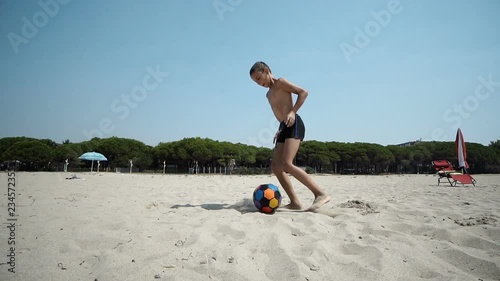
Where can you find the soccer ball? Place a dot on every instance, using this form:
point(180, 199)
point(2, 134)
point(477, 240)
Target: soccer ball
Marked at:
point(267, 198)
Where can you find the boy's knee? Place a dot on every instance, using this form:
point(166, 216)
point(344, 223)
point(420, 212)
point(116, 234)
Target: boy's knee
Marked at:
point(288, 166)
point(276, 167)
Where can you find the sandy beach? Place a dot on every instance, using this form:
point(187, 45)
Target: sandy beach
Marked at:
point(112, 226)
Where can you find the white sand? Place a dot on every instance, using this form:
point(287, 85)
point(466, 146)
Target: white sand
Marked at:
point(199, 227)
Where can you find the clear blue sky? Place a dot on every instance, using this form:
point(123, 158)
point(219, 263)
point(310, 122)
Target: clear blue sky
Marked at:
point(413, 75)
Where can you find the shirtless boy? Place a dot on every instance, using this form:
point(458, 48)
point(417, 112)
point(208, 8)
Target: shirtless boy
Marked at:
point(290, 134)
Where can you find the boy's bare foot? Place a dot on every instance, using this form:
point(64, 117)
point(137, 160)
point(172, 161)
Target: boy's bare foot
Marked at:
point(318, 202)
point(293, 206)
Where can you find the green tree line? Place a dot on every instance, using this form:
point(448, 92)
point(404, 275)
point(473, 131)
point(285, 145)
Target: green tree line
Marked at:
point(179, 156)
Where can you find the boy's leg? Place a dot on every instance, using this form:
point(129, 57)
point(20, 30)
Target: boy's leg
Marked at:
point(277, 168)
point(290, 149)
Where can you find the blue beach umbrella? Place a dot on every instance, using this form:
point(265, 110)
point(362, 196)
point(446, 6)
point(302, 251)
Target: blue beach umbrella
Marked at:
point(93, 156)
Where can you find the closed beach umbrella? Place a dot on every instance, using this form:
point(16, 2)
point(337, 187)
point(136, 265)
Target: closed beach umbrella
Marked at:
point(461, 151)
point(92, 156)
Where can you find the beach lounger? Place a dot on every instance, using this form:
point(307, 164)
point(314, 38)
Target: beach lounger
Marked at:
point(461, 178)
point(445, 170)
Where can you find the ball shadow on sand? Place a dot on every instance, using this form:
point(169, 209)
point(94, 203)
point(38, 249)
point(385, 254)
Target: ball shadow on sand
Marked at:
point(244, 206)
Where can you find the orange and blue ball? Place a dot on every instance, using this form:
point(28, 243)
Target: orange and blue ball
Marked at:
point(267, 198)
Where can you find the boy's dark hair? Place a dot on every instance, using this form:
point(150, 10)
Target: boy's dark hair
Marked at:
point(259, 66)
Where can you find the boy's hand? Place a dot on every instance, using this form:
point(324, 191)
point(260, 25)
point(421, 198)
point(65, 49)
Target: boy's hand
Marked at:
point(290, 119)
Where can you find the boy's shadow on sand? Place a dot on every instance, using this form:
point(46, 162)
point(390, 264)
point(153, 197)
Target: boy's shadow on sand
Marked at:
point(244, 206)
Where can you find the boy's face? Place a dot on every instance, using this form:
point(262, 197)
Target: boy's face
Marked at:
point(262, 78)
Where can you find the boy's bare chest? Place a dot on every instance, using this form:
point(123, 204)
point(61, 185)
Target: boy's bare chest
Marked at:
point(275, 96)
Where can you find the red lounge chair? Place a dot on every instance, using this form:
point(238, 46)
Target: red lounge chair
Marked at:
point(462, 178)
point(446, 170)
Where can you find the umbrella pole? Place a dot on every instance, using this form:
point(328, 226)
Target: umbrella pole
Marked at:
point(92, 166)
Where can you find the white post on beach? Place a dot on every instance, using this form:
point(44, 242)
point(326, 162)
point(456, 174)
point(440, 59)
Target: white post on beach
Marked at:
point(131, 164)
point(164, 167)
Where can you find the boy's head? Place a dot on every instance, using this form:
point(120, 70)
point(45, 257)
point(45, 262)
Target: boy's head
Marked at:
point(261, 74)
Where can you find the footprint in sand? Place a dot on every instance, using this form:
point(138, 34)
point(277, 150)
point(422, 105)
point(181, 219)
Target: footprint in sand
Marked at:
point(364, 208)
point(468, 262)
point(235, 234)
point(364, 256)
point(89, 261)
point(481, 220)
point(282, 267)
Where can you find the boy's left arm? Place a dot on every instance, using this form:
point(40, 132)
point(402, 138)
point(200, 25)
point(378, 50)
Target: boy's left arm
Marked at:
point(301, 97)
point(300, 92)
